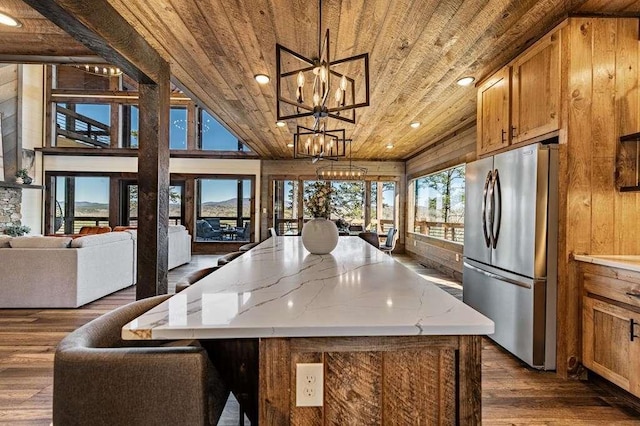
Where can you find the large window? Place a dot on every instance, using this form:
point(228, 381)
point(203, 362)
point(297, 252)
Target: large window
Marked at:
point(439, 204)
point(80, 201)
point(349, 201)
point(129, 203)
point(177, 127)
point(83, 125)
point(223, 209)
point(214, 137)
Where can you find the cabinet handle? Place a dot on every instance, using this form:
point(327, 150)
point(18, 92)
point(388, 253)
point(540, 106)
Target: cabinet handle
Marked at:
point(632, 324)
point(513, 131)
point(504, 135)
point(632, 294)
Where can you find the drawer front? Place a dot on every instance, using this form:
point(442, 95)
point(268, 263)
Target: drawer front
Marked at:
point(612, 288)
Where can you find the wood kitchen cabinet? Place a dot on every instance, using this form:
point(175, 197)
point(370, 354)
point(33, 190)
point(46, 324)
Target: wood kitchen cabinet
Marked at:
point(611, 326)
point(493, 112)
point(535, 90)
point(522, 100)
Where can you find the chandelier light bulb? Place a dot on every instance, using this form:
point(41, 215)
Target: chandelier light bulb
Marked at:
point(280, 123)
point(300, 79)
point(323, 73)
point(343, 83)
point(415, 124)
point(316, 99)
point(338, 96)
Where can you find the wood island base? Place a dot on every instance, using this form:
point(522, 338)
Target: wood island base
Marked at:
point(375, 380)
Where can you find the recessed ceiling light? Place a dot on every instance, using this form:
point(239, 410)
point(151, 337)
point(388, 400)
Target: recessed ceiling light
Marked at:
point(280, 123)
point(9, 20)
point(465, 81)
point(290, 145)
point(262, 78)
point(389, 145)
point(415, 124)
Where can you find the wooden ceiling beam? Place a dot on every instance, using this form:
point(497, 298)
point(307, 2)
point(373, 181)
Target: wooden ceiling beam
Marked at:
point(99, 27)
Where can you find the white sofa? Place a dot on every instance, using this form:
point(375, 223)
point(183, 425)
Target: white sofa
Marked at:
point(58, 272)
point(179, 247)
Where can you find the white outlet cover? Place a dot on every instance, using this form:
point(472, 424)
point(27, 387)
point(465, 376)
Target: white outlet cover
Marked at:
point(309, 385)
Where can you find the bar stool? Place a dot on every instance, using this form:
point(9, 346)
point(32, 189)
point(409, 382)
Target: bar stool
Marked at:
point(247, 247)
point(193, 277)
point(229, 257)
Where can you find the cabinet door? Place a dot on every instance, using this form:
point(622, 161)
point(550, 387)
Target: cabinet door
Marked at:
point(607, 348)
point(536, 90)
point(493, 112)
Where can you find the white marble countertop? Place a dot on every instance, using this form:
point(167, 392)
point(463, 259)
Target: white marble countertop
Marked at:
point(278, 289)
point(628, 262)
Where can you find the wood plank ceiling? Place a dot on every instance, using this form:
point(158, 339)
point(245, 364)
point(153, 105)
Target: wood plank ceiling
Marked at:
point(418, 49)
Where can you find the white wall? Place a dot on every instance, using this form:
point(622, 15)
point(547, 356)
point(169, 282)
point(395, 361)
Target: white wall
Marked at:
point(31, 121)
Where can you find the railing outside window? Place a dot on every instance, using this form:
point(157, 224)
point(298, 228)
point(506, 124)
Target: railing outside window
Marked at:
point(439, 204)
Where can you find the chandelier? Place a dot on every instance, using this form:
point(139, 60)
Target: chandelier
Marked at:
point(320, 87)
point(101, 70)
point(319, 143)
point(338, 171)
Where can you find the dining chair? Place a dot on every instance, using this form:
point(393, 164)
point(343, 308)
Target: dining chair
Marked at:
point(272, 232)
point(390, 244)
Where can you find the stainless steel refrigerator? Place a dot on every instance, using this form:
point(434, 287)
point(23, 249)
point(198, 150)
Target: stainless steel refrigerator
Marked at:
point(510, 249)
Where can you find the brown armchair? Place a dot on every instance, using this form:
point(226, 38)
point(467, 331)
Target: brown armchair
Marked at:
point(99, 379)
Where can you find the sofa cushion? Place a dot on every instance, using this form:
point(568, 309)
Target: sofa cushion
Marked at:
point(4, 241)
point(97, 239)
point(176, 228)
point(40, 242)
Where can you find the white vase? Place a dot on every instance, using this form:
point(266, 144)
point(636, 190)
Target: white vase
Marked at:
point(320, 236)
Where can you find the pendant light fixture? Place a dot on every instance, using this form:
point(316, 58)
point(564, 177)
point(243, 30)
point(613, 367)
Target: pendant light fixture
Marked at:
point(320, 87)
point(319, 143)
point(340, 172)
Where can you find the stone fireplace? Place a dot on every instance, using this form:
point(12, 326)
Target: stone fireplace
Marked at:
point(10, 201)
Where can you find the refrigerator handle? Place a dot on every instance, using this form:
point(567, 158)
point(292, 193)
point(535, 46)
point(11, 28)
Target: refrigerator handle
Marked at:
point(485, 193)
point(498, 277)
point(496, 211)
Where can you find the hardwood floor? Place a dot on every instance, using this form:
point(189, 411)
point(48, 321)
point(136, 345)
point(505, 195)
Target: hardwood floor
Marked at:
point(512, 393)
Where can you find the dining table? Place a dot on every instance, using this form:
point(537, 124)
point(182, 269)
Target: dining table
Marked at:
point(393, 347)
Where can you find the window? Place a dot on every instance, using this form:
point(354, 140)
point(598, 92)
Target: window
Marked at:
point(439, 204)
point(129, 196)
point(350, 204)
point(224, 209)
point(178, 128)
point(80, 201)
point(214, 137)
point(383, 206)
point(83, 125)
point(130, 129)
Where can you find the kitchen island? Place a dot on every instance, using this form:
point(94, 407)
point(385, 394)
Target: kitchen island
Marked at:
point(395, 348)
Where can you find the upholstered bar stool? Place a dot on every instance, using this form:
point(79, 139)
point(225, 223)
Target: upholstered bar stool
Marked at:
point(193, 277)
point(229, 257)
point(247, 247)
point(100, 379)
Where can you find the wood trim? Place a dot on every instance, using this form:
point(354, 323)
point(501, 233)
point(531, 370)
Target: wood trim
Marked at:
point(470, 380)
point(104, 31)
point(133, 152)
point(365, 379)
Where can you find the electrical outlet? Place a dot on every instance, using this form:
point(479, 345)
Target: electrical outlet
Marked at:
point(415, 243)
point(309, 385)
point(457, 257)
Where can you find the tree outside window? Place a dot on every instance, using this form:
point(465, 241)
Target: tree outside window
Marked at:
point(439, 204)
